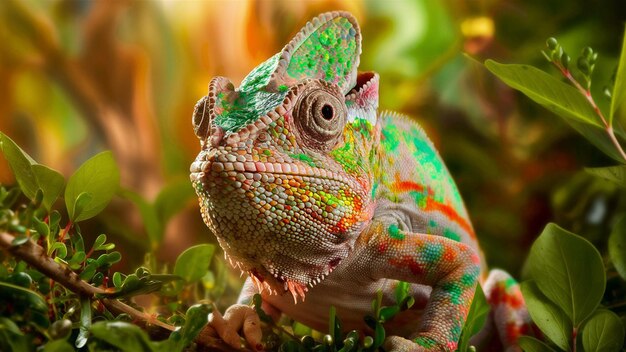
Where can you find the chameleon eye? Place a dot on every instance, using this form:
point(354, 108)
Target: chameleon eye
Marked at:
point(320, 114)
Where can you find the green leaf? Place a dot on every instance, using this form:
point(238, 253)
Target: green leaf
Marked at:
point(50, 182)
point(58, 346)
point(568, 270)
point(617, 246)
point(194, 262)
point(603, 332)
point(85, 322)
point(531, 344)
point(615, 174)
point(60, 248)
point(30, 175)
point(619, 89)
point(556, 96)
point(20, 163)
point(196, 318)
point(14, 293)
point(124, 336)
point(550, 319)
point(173, 198)
point(41, 227)
point(386, 313)
point(11, 338)
point(152, 222)
point(99, 177)
point(100, 240)
point(475, 318)
point(19, 240)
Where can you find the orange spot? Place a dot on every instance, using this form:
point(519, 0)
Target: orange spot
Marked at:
point(451, 214)
point(449, 254)
point(405, 186)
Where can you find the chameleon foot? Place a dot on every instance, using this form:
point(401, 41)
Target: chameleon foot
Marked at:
point(237, 318)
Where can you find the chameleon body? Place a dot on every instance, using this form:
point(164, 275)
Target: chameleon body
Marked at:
point(324, 201)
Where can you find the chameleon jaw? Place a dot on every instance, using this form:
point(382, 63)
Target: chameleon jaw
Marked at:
point(277, 283)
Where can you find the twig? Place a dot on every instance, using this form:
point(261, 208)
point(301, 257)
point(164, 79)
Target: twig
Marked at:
point(35, 256)
point(587, 94)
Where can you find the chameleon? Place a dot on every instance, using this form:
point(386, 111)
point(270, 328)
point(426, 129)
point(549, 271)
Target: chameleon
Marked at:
point(322, 200)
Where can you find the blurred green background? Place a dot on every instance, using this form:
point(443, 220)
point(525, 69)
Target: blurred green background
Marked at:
point(78, 77)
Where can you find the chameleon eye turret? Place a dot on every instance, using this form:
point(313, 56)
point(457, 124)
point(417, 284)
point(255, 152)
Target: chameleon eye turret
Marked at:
point(320, 114)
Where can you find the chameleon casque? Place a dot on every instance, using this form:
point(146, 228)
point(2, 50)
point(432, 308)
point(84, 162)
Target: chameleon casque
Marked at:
point(324, 201)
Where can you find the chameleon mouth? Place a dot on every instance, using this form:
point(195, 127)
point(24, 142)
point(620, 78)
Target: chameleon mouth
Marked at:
point(276, 282)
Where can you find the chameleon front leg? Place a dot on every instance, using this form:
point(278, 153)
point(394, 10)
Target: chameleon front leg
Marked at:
point(242, 319)
point(450, 268)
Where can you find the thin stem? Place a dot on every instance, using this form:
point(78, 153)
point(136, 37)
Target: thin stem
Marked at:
point(574, 335)
point(587, 94)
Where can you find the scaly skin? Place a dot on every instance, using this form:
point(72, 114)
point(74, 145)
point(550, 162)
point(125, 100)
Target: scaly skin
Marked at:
point(316, 195)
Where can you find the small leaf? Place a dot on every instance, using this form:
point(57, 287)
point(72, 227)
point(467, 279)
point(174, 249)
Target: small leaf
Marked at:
point(41, 227)
point(89, 271)
point(558, 97)
point(58, 346)
point(11, 338)
point(603, 332)
point(196, 318)
point(117, 279)
point(100, 240)
point(194, 262)
point(51, 182)
point(173, 198)
point(475, 318)
point(60, 248)
point(615, 174)
point(99, 177)
point(531, 344)
point(19, 240)
point(619, 89)
point(550, 319)
point(386, 313)
point(126, 337)
point(151, 220)
point(85, 322)
point(568, 270)
point(617, 246)
point(20, 163)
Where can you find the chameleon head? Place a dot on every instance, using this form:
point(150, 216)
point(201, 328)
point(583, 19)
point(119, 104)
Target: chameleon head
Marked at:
point(283, 174)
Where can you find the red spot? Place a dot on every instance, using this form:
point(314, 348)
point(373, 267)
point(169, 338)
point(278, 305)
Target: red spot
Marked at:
point(512, 298)
point(407, 261)
point(382, 247)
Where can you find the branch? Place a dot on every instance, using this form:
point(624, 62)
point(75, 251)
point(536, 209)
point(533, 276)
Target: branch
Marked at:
point(36, 256)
